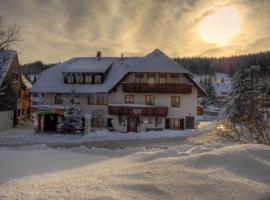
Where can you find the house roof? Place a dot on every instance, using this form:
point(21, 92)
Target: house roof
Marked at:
point(157, 61)
point(51, 80)
point(26, 82)
point(6, 58)
point(88, 65)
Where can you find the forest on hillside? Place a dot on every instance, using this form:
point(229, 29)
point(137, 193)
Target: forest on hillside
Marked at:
point(211, 65)
point(35, 67)
point(196, 65)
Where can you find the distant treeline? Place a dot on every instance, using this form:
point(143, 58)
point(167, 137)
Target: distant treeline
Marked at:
point(210, 65)
point(35, 67)
point(196, 65)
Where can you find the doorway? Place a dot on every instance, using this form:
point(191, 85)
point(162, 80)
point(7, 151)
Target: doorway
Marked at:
point(132, 124)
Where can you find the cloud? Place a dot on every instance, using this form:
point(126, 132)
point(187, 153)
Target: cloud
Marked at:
point(54, 31)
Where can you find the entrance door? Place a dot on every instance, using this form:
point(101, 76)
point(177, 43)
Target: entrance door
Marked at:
point(132, 124)
point(50, 122)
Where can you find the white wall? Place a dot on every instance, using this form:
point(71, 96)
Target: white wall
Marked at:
point(6, 119)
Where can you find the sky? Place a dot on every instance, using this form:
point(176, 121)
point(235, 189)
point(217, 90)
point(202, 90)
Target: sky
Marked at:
point(57, 30)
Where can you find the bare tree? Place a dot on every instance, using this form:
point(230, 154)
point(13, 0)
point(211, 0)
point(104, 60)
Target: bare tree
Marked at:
point(9, 35)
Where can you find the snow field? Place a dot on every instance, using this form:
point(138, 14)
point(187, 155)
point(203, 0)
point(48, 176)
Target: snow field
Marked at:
point(209, 171)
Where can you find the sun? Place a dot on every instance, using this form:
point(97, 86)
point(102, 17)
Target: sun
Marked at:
point(220, 27)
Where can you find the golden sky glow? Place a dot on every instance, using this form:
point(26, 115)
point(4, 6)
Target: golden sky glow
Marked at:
point(56, 30)
point(221, 26)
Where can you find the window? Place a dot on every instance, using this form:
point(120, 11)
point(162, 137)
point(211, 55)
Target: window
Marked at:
point(88, 78)
point(101, 99)
point(149, 100)
point(97, 79)
point(151, 78)
point(129, 99)
point(76, 99)
point(174, 78)
point(99, 122)
point(91, 99)
point(58, 99)
point(139, 78)
point(175, 124)
point(159, 120)
point(79, 77)
point(104, 99)
point(150, 120)
point(175, 101)
point(162, 78)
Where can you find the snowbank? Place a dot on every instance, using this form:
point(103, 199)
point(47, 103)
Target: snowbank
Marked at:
point(209, 171)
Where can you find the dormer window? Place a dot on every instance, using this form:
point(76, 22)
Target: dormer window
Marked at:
point(79, 77)
point(88, 78)
point(97, 79)
point(70, 78)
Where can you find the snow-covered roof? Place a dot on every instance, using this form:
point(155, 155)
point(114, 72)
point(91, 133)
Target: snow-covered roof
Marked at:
point(157, 61)
point(87, 65)
point(6, 58)
point(26, 82)
point(222, 89)
point(51, 80)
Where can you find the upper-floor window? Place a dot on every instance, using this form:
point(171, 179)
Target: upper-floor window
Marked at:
point(150, 78)
point(98, 99)
point(149, 100)
point(97, 79)
point(70, 78)
point(129, 99)
point(88, 78)
point(91, 99)
point(174, 79)
point(139, 78)
point(58, 99)
point(175, 101)
point(162, 78)
point(79, 77)
point(101, 99)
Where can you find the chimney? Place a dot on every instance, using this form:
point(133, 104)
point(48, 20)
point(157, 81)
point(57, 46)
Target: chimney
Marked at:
point(99, 54)
point(122, 56)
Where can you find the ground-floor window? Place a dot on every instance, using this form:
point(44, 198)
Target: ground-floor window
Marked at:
point(174, 123)
point(99, 122)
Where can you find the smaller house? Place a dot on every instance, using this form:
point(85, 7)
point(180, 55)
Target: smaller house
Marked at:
point(13, 91)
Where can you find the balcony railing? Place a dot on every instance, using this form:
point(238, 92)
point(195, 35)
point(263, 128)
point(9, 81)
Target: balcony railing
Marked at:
point(138, 111)
point(157, 88)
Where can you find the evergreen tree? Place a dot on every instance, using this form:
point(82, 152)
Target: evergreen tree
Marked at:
point(210, 91)
point(72, 122)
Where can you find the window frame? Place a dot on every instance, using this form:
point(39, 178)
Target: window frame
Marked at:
point(145, 100)
point(150, 76)
point(174, 78)
point(139, 78)
point(128, 98)
point(58, 99)
point(173, 102)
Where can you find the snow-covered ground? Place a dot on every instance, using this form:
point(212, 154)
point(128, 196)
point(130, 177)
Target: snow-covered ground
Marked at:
point(212, 170)
point(26, 136)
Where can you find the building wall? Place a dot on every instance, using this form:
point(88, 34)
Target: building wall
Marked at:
point(6, 119)
point(188, 104)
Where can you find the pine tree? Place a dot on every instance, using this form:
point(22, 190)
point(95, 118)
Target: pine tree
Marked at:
point(72, 122)
point(210, 91)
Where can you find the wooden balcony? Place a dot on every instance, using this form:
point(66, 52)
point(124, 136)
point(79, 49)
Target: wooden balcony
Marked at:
point(138, 110)
point(157, 88)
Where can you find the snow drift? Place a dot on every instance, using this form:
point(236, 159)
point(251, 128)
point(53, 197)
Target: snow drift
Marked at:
point(209, 171)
